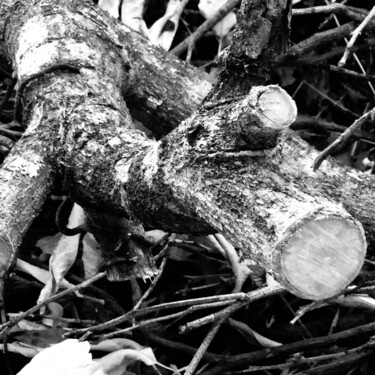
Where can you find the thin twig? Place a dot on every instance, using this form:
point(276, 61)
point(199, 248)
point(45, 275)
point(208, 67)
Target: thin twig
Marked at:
point(347, 72)
point(354, 54)
point(157, 308)
point(206, 342)
point(179, 314)
point(286, 303)
point(5, 327)
point(354, 37)
point(315, 41)
point(253, 296)
point(342, 139)
point(326, 302)
point(188, 327)
point(178, 346)
point(356, 14)
point(334, 102)
point(301, 361)
point(245, 359)
point(310, 307)
point(152, 286)
point(334, 321)
point(348, 360)
point(207, 25)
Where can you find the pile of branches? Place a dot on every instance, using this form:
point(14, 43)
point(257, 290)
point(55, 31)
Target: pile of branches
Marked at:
point(202, 292)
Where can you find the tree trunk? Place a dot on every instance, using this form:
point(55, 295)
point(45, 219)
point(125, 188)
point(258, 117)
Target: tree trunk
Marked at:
point(228, 168)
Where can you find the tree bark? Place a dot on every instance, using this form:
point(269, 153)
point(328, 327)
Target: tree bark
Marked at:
point(224, 169)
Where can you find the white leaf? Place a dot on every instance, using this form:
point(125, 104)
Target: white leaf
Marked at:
point(209, 8)
point(131, 15)
point(64, 255)
point(116, 363)
point(77, 217)
point(164, 29)
point(69, 357)
point(91, 255)
point(48, 243)
point(110, 6)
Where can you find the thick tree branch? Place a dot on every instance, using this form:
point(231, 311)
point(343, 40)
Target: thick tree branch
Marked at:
point(224, 169)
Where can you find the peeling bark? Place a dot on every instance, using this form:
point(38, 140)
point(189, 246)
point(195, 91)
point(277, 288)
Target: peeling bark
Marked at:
point(224, 169)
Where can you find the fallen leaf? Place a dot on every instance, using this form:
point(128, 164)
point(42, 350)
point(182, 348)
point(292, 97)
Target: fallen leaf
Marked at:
point(117, 362)
point(131, 15)
point(110, 6)
point(64, 255)
point(69, 357)
point(222, 29)
point(91, 255)
point(162, 32)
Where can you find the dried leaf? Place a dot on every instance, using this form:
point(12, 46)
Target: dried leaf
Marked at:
point(48, 243)
point(116, 363)
point(164, 29)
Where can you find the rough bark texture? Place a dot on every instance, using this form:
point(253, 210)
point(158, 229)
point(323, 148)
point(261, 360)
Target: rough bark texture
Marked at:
point(25, 180)
point(153, 82)
point(262, 34)
point(224, 169)
point(309, 243)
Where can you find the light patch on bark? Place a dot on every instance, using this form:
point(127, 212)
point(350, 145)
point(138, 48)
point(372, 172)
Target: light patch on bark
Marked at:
point(115, 141)
point(122, 171)
point(35, 121)
point(33, 33)
point(150, 163)
point(36, 58)
point(28, 164)
point(154, 103)
point(353, 174)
